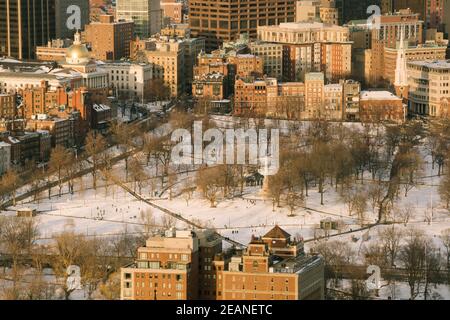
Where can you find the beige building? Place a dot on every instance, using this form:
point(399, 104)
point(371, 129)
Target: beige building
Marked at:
point(307, 10)
point(429, 84)
point(329, 15)
point(180, 30)
point(167, 56)
point(431, 50)
point(173, 59)
point(311, 47)
point(314, 94)
point(55, 50)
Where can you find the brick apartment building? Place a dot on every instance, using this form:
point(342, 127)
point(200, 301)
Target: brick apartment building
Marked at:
point(187, 265)
point(377, 106)
point(45, 100)
point(272, 267)
point(109, 39)
point(176, 266)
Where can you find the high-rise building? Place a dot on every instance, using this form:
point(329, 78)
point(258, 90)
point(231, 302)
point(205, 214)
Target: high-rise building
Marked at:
point(109, 39)
point(311, 47)
point(430, 11)
point(388, 35)
point(70, 16)
point(357, 9)
point(146, 15)
point(307, 10)
point(235, 18)
point(172, 11)
point(25, 25)
point(446, 18)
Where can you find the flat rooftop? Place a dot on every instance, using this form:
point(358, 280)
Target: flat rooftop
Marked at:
point(432, 64)
point(378, 95)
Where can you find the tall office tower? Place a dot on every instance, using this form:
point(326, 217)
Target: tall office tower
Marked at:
point(331, 11)
point(357, 9)
point(307, 10)
point(430, 11)
point(446, 23)
point(224, 20)
point(70, 16)
point(387, 6)
point(146, 15)
point(25, 25)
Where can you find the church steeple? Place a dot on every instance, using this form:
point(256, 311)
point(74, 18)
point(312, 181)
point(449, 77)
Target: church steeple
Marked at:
point(401, 74)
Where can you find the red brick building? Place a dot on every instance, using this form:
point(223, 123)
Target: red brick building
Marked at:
point(379, 106)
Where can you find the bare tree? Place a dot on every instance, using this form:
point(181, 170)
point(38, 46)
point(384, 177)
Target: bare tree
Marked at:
point(59, 159)
point(95, 145)
point(209, 181)
point(445, 238)
point(110, 289)
point(148, 222)
point(122, 135)
point(412, 257)
point(95, 264)
point(68, 248)
point(18, 236)
point(405, 213)
point(168, 221)
point(390, 238)
point(293, 201)
point(10, 182)
point(444, 189)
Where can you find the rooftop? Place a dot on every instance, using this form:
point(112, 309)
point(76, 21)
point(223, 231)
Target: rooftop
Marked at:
point(304, 26)
point(432, 64)
point(297, 264)
point(277, 233)
point(378, 95)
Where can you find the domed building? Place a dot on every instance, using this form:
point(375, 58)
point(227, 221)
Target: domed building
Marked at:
point(78, 58)
point(77, 53)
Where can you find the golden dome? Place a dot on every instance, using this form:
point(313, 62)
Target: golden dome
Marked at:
point(77, 52)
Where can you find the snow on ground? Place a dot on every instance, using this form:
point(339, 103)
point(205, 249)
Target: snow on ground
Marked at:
point(111, 211)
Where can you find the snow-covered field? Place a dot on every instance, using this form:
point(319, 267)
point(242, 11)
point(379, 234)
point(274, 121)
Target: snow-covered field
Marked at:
point(108, 211)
